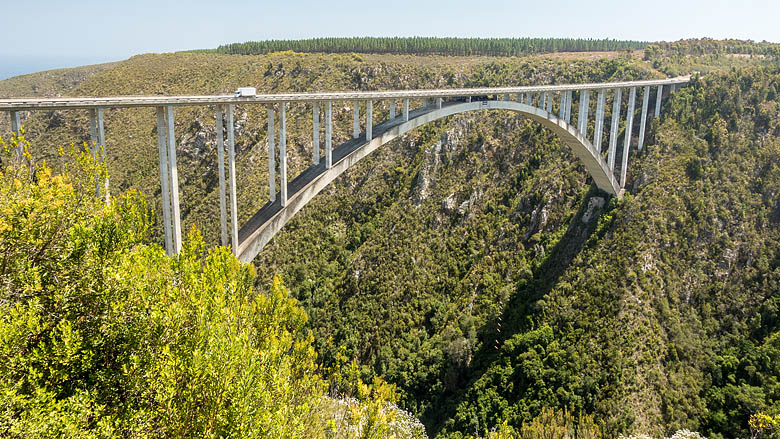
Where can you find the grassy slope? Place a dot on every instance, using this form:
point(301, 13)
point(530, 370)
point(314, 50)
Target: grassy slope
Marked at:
point(49, 83)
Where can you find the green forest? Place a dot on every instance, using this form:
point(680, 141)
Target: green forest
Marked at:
point(709, 46)
point(467, 280)
point(431, 46)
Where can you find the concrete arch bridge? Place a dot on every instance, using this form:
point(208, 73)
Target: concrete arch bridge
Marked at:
point(550, 105)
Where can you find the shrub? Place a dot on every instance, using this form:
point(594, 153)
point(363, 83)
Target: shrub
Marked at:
point(103, 335)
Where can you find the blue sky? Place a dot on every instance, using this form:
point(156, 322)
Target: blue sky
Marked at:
point(40, 34)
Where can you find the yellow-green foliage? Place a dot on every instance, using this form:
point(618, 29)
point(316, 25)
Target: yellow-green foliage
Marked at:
point(104, 336)
point(551, 424)
point(764, 426)
point(371, 414)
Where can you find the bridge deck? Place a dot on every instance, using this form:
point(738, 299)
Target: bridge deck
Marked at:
point(18, 104)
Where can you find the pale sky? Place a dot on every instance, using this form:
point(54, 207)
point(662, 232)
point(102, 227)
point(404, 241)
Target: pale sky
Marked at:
point(39, 34)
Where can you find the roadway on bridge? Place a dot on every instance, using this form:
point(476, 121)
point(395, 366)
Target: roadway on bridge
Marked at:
point(20, 104)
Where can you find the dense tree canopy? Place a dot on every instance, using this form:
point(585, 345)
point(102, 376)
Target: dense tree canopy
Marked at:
point(432, 46)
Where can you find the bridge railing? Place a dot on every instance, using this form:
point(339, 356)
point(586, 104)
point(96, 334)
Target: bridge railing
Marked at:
point(558, 101)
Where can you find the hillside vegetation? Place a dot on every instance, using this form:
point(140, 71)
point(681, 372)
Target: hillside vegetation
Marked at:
point(708, 55)
point(49, 83)
point(709, 46)
point(472, 263)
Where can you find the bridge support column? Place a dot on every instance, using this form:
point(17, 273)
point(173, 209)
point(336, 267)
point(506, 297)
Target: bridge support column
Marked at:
point(616, 104)
point(16, 126)
point(356, 120)
point(232, 176)
point(93, 141)
point(329, 135)
point(271, 156)
point(102, 139)
point(94, 144)
point(164, 178)
point(316, 133)
point(283, 152)
point(567, 116)
point(627, 142)
point(98, 139)
point(15, 122)
point(520, 98)
point(599, 123)
point(406, 110)
point(562, 106)
point(369, 120)
point(549, 98)
point(174, 173)
point(221, 170)
point(392, 110)
point(658, 97)
point(506, 97)
point(582, 113)
point(643, 122)
point(438, 102)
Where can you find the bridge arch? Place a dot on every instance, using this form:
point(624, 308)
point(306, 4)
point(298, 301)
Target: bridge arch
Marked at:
point(262, 227)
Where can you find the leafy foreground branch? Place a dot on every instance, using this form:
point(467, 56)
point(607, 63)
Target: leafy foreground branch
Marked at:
point(103, 335)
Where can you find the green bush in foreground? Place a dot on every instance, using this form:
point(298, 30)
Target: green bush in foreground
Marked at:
point(102, 335)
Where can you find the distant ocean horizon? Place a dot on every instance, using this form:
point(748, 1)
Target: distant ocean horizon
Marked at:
point(15, 65)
